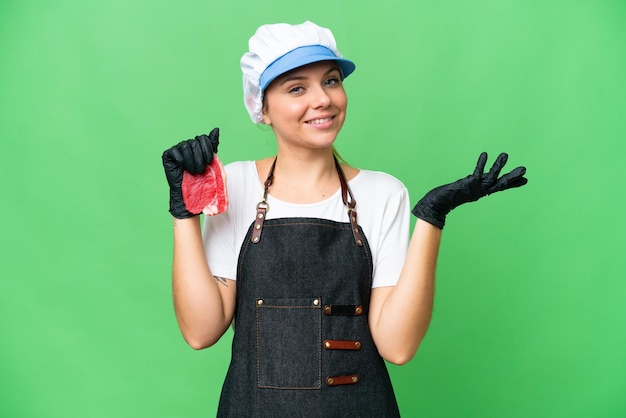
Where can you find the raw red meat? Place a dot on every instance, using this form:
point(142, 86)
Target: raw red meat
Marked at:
point(206, 192)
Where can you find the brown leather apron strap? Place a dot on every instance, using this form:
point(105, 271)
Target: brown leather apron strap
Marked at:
point(262, 207)
point(348, 200)
point(346, 196)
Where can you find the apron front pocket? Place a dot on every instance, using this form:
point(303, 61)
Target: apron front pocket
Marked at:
point(289, 333)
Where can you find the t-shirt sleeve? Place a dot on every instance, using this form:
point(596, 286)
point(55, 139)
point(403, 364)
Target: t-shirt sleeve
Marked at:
point(393, 239)
point(218, 236)
point(222, 234)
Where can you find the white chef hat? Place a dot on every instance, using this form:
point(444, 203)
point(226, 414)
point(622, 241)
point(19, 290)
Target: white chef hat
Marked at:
point(277, 48)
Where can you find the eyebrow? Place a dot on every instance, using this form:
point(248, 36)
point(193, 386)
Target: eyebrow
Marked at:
point(287, 78)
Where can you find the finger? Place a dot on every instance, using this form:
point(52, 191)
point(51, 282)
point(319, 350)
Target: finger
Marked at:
point(517, 177)
point(189, 163)
point(214, 137)
point(175, 155)
point(518, 182)
point(167, 156)
point(480, 165)
point(513, 179)
point(172, 162)
point(493, 174)
point(199, 162)
point(206, 148)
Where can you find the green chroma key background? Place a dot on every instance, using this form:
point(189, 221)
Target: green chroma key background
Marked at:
point(530, 311)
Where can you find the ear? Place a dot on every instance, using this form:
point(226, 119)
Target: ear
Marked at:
point(266, 118)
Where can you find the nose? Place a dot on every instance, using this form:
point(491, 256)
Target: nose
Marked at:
point(320, 98)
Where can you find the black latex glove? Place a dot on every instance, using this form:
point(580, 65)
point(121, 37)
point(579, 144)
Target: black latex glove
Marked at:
point(437, 203)
point(192, 155)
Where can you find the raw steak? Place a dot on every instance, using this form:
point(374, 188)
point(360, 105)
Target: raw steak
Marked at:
point(206, 192)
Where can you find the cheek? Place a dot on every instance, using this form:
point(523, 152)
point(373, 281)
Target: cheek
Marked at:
point(342, 104)
point(276, 105)
point(289, 110)
point(341, 99)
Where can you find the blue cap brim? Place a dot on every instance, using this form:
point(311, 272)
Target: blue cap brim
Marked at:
point(303, 56)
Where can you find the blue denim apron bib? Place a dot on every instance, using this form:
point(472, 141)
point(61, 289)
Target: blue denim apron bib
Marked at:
point(302, 345)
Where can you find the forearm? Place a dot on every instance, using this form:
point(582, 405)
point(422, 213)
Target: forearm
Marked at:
point(403, 314)
point(202, 312)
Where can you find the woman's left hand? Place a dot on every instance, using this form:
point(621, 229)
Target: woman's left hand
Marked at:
point(437, 203)
point(193, 156)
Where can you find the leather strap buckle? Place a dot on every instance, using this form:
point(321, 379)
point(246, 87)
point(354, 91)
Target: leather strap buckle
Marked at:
point(261, 210)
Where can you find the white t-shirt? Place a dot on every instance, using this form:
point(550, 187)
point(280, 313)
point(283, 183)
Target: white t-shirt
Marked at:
point(382, 205)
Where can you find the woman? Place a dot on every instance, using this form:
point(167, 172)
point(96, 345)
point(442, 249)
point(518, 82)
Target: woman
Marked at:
point(319, 295)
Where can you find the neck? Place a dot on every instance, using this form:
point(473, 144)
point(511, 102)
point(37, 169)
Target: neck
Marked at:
point(304, 178)
point(310, 167)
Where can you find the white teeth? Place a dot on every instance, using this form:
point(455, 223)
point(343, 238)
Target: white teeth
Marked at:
point(319, 121)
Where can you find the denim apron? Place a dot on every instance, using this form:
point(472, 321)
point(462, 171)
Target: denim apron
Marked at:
point(302, 346)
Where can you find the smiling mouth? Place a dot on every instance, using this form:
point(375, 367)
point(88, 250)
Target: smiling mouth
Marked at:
point(319, 121)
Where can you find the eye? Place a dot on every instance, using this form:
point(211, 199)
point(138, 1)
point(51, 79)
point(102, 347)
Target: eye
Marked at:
point(296, 90)
point(332, 81)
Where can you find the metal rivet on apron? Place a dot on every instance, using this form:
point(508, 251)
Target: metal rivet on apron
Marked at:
point(357, 344)
point(327, 344)
point(359, 243)
point(255, 239)
point(327, 310)
point(358, 310)
point(259, 302)
point(257, 226)
point(329, 380)
point(260, 215)
point(355, 379)
point(316, 302)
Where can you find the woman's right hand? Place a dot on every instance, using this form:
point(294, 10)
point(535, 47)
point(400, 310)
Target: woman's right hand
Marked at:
point(192, 155)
